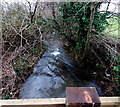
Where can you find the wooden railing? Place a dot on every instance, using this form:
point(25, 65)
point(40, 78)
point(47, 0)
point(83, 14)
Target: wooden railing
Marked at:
point(65, 102)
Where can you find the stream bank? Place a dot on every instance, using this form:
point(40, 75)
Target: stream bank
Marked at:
point(53, 73)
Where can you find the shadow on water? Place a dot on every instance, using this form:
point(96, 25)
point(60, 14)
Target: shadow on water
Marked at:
point(53, 73)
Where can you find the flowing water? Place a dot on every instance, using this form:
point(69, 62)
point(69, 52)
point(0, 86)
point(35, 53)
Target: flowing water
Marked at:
point(53, 73)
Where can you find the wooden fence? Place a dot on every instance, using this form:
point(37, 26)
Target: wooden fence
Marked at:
point(64, 102)
point(54, 102)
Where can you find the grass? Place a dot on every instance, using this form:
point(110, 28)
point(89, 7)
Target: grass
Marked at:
point(113, 29)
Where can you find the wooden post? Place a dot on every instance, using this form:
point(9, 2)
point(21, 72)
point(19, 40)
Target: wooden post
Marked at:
point(82, 97)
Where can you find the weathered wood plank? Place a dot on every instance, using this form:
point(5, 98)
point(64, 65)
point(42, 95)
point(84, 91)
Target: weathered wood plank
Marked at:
point(54, 102)
point(41, 102)
point(110, 101)
point(33, 105)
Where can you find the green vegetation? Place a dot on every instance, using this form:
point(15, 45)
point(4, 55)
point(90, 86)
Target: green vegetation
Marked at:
point(77, 21)
point(22, 47)
point(93, 40)
point(112, 32)
point(116, 75)
point(113, 29)
point(91, 37)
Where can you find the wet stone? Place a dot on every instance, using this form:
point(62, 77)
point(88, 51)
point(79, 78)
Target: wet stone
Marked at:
point(51, 75)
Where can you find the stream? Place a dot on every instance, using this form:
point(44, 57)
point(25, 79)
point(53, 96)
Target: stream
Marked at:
point(53, 73)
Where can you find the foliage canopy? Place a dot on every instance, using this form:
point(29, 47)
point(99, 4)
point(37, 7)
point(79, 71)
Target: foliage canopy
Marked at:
point(76, 20)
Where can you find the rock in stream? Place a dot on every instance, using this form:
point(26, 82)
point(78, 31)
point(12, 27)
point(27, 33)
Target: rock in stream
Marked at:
point(52, 75)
